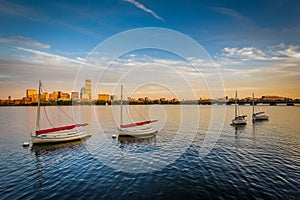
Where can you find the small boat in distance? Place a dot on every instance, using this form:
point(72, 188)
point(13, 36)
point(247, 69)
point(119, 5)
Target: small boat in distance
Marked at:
point(56, 134)
point(138, 129)
point(257, 116)
point(238, 119)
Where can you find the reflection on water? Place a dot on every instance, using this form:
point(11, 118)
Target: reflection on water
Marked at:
point(256, 161)
point(136, 142)
point(44, 149)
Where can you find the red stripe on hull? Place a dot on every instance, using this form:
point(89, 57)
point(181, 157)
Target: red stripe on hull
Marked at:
point(137, 124)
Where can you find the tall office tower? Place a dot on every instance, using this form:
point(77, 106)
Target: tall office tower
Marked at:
point(88, 88)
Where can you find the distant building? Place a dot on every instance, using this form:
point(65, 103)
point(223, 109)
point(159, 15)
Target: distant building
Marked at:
point(82, 92)
point(273, 98)
point(54, 96)
point(88, 88)
point(132, 100)
point(18, 101)
point(74, 95)
point(174, 100)
point(44, 96)
point(113, 97)
point(26, 100)
point(30, 93)
point(104, 97)
point(86, 91)
point(163, 100)
point(9, 100)
point(64, 96)
point(59, 96)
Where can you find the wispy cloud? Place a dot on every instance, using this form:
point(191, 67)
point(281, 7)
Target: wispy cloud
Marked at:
point(44, 57)
point(10, 8)
point(244, 53)
point(271, 65)
point(283, 52)
point(144, 8)
point(234, 14)
point(23, 41)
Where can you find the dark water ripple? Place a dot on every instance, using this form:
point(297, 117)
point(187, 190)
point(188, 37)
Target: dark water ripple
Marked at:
point(258, 161)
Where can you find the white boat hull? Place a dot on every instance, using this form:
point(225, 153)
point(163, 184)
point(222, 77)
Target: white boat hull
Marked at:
point(239, 121)
point(61, 136)
point(260, 117)
point(141, 133)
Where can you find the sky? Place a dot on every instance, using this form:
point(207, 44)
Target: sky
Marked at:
point(254, 45)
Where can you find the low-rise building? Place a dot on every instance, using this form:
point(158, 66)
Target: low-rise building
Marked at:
point(103, 97)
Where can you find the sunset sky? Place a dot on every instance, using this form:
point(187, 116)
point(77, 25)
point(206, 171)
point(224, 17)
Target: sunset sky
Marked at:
point(255, 44)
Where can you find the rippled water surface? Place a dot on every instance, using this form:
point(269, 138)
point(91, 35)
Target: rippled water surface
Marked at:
point(260, 160)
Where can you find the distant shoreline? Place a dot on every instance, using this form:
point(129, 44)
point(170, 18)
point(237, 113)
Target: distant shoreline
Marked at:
point(191, 102)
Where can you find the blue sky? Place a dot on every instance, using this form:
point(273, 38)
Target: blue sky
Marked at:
point(256, 44)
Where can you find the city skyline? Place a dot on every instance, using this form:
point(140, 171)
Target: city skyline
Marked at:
point(255, 45)
point(68, 96)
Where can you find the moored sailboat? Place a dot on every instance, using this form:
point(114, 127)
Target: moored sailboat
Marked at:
point(138, 129)
point(56, 134)
point(238, 119)
point(258, 116)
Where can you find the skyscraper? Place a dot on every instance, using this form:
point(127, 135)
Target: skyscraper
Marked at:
point(88, 88)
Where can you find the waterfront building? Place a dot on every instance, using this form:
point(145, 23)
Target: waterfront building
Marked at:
point(163, 100)
point(141, 100)
point(9, 100)
point(74, 95)
point(174, 100)
point(273, 98)
point(17, 101)
point(88, 88)
point(26, 100)
point(82, 92)
point(54, 96)
point(44, 96)
point(64, 96)
point(103, 97)
point(86, 91)
point(113, 97)
point(30, 93)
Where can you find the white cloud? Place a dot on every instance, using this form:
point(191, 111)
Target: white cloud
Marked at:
point(271, 63)
point(245, 53)
point(142, 7)
point(80, 59)
point(22, 41)
point(50, 58)
point(292, 51)
point(282, 52)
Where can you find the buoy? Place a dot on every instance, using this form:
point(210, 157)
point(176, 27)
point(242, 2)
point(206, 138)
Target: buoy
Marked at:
point(26, 144)
point(114, 136)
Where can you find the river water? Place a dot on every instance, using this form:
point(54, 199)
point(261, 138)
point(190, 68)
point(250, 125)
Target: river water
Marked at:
point(196, 154)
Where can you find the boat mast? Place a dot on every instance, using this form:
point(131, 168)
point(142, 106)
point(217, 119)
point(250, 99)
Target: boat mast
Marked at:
point(38, 109)
point(235, 104)
point(252, 104)
point(121, 113)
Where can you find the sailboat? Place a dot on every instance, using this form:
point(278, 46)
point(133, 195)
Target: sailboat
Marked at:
point(238, 119)
point(258, 116)
point(56, 134)
point(138, 129)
